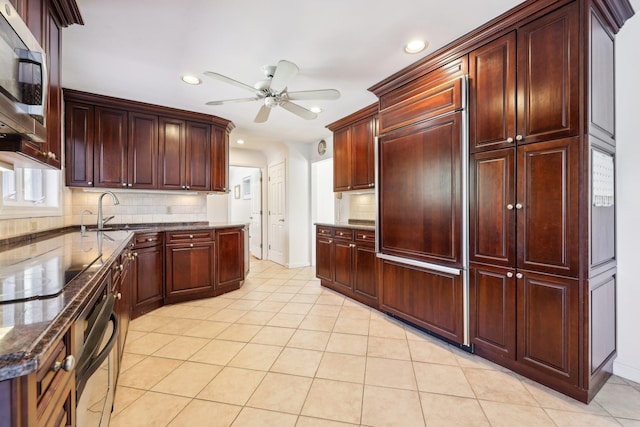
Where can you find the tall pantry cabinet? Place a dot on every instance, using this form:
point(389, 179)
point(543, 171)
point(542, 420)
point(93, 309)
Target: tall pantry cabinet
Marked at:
point(542, 273)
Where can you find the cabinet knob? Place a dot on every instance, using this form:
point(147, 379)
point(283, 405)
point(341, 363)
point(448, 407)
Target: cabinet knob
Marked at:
point(129, 185)
point(510, 206)
point(191, 236)
point(330, 241)
point(509, 274)
point(518, 206)
point(66, 364)
point(184, 187)
point(371, 184)
point(363, 236)
point(191, 245)
point(89, 183)
point(118, 296)
point(519, 138)
point(135, 254)
point(124, 184)
point(150, 239)
point(519, 275)
point(352, 245)
point(509, 140)
point(188, 187)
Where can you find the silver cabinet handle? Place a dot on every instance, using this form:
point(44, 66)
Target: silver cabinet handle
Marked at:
point(518, 206)
point(510, 206)
point(519, 275)
point(519, 138)
point(66, 364)
point(509, 274)
point(509, 140)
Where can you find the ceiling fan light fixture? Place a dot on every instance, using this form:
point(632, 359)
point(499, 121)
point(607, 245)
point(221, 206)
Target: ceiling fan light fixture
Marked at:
point(415, 46)
point(316, 109)
point(271, 102)
point(191, 79)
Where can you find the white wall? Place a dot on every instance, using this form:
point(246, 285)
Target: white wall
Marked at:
point(239, 209)
point(298, 214)
point(627, 363)
point(322, 198)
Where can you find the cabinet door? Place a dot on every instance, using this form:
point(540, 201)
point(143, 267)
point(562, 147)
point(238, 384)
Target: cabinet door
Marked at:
point(421, 191)
point(548, 76)
point(110, 149)
point(79, 128)
point(198, 157)
point(492, 100)
point(171, 154)
point(492, 213)
point(365, 286)
point(547, 207)
point(362, 158)
point(143, 151)
point(548, 336)
point(342, 159)
point(54, 101)
point(492, 310)
point(324, 259)
point(148, 274)
point(220, 161)
point(189, 270)
point(230, 259)
point(343, 252)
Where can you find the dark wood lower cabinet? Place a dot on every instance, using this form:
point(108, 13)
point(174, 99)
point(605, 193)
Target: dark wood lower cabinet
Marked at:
point(147, 273)
point(346, 262)
point(189, 270)
point(229, 259)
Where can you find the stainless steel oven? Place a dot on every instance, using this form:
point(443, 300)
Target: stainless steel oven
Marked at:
point(95, 335)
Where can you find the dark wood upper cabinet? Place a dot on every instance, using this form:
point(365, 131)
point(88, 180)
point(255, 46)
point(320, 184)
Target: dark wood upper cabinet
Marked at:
point(198, 157)
point(353, 150)
point(142, 158)
point(524, 85)
point(79, 128)
point(136, 145)
point(220, 160)
point(172, 154)
point(110, 148)
point(549, 76)
point(492, 104)
point(53, 49)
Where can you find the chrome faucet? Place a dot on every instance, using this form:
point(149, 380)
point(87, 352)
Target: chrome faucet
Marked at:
point(102, 222)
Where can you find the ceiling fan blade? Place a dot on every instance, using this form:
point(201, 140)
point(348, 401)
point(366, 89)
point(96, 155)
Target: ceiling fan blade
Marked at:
point(229, 80)
point(263, 114)
point(314, 94)
point(284, 71)
point(232, 101)
point(298, 110)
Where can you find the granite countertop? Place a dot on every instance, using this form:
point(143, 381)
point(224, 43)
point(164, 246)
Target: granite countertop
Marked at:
point(38, 265)
point(356, 226)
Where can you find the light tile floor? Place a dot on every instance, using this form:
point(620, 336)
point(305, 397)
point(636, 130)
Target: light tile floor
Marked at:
point(283, 351)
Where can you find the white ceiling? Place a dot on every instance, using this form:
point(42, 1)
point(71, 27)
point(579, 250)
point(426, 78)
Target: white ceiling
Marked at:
point(139, 49)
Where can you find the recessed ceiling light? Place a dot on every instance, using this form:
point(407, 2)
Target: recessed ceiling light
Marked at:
point(192, 80)
point(316, 109)
point(240, 141)
point(415, 46)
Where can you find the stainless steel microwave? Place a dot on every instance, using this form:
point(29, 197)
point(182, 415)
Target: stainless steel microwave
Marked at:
point(23, 78)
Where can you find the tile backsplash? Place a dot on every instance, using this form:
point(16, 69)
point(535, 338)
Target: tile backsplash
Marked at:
point(137, 208)
point(356, 206)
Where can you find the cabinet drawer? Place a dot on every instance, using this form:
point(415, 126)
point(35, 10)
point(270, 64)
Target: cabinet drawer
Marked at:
point(54, 374)
point(146, 240)
point(343, 233)
point(189, 236)
point(365, 236)
point(324, 231)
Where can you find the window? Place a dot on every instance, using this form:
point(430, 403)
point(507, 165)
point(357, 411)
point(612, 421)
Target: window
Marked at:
point(30, 193)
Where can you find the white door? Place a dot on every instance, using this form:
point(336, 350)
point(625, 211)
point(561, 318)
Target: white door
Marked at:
point(255, 224)
point(277, 202)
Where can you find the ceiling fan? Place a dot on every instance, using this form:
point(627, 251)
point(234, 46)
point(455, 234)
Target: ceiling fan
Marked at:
point(272, 91)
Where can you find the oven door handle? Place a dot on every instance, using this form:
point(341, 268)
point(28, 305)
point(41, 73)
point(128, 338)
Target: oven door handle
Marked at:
point(93, 363)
